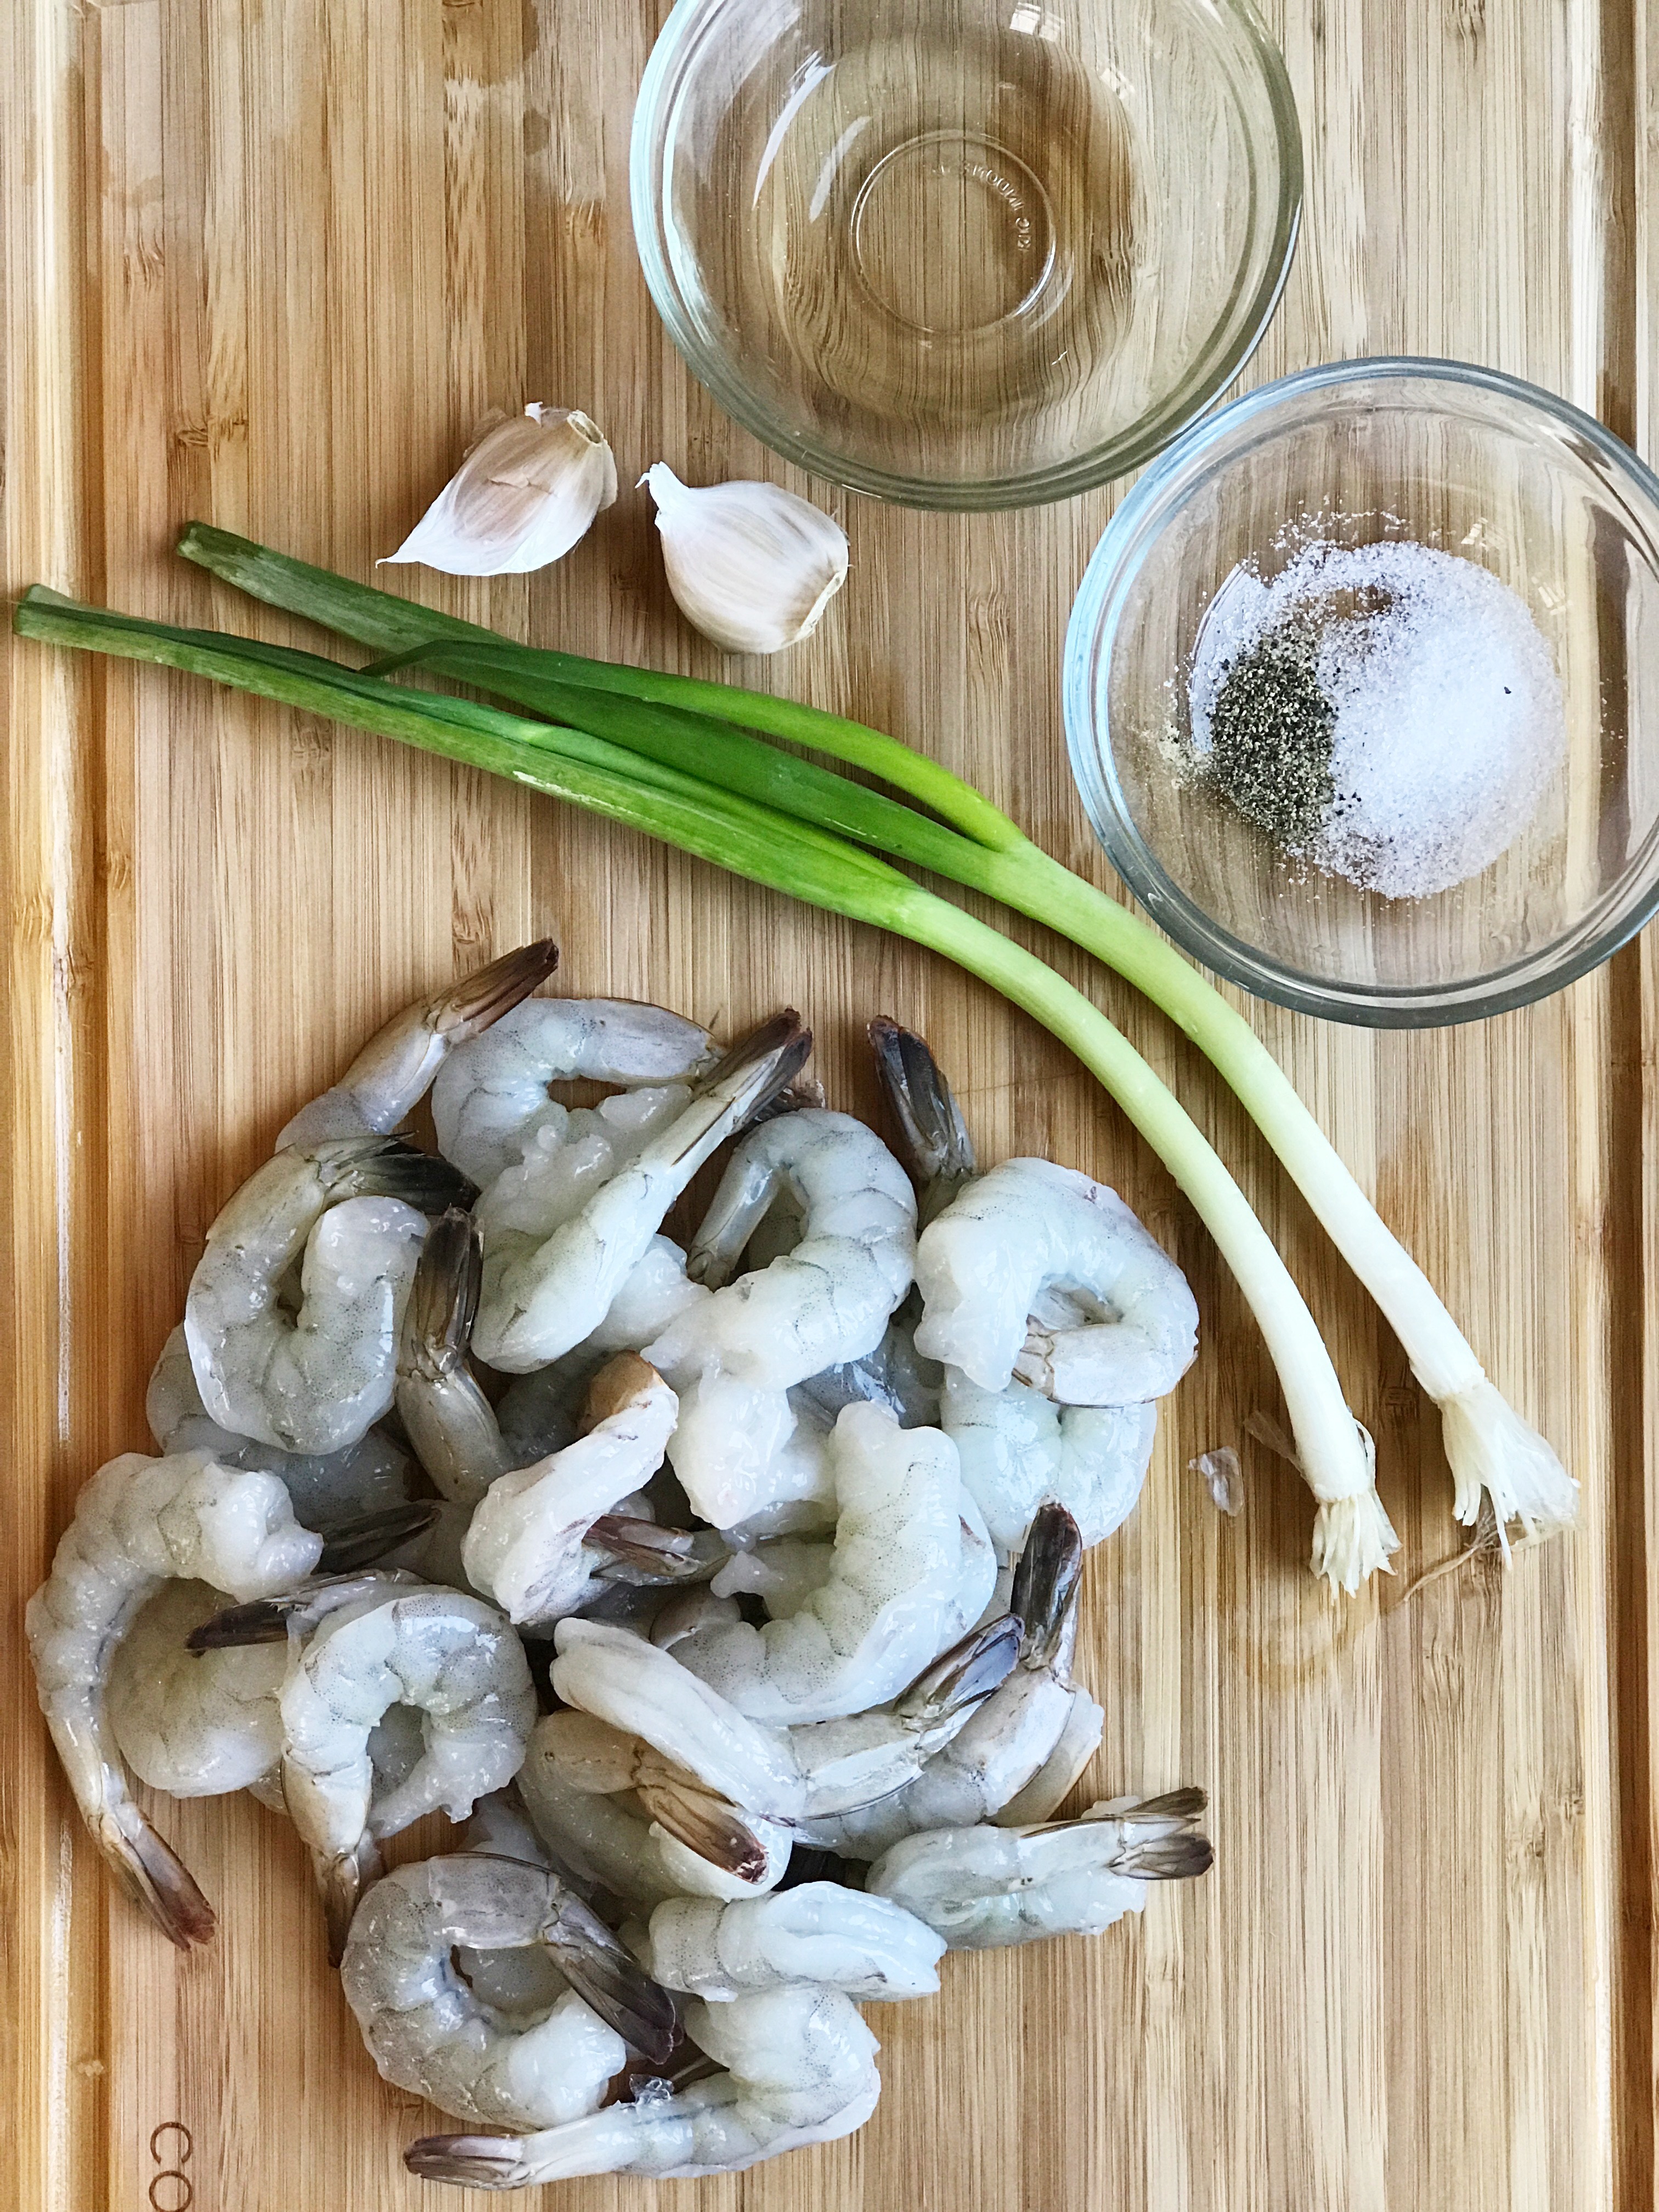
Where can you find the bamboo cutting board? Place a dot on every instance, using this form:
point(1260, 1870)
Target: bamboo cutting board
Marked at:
point(265, 265)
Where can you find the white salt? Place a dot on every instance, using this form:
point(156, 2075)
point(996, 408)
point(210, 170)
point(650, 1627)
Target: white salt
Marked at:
point(1449, 722)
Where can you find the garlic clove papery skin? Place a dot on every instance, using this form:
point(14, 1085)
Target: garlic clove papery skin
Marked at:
point(528, 488)
point(751, 565)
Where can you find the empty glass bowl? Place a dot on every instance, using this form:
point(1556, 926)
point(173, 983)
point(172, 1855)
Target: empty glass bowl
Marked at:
point(1459, 459)
point(966, 253)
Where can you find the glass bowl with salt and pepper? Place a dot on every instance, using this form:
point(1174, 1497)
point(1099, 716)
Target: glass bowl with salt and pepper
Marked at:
point(1362, 692)
point(966, 253)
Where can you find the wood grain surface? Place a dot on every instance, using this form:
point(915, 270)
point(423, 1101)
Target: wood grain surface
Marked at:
point(265, 265)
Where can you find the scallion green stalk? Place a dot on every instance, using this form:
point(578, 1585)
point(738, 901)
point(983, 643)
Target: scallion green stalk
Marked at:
point(1491, 1451)
point(1353, 1535)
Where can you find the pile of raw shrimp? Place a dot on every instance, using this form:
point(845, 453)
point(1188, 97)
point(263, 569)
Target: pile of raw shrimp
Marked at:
point(736, 1608)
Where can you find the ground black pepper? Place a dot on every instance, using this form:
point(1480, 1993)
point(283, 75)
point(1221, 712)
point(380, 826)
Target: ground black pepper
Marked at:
point(1271, 732)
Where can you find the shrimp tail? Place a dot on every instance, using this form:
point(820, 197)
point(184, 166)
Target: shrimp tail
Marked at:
point(270, 1619)
point(154, 1877)
point(470, 2161)
point(342, 1878)
point(1160, 1841)
point(369, 1536)
point(646, 1555)
point(469, 1008)
point(966, 1675)
point(939, 1150)
point(386, 1167)
point(443, 1299)
point(705, 1823)
point(754, 1070)
point(609, 1979)
point(1046, 1581)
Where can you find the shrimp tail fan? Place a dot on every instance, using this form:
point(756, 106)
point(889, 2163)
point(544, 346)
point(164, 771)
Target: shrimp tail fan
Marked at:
point(157, 1881)
point(470, 2161)
point(935, 1137)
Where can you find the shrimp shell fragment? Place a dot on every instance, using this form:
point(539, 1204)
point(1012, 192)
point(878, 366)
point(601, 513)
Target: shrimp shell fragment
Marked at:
point(1038, 1271)
point(138, 1524)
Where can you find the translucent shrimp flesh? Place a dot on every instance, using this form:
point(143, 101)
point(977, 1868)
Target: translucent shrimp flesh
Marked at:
point(1036, 1270)
point(787, 1775)
point(316, 1380)
point(449, 1655)
point(981, 1887)
point(1013, 1733)
point(327, 1488)
point(797, 2067)
point(394, 1070)
point(826, 1300)
point(538, 1302)
point(820, 1932)
point(428, 2029)
point(196, 1724)
point(892, 1599)
point(525, 1548)
point(138, 1524)
point(490, 1104)
point(1018, 1448)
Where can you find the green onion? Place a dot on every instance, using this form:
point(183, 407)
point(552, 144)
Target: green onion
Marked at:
point(1352, 1536)
point(1491, 1451)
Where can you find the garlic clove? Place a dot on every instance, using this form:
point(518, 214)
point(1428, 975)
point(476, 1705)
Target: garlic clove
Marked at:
point(751, 565)
point(527, 489)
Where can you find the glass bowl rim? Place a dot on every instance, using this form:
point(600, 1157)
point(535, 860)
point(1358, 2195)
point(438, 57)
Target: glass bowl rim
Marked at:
point(1102, 464)
point(1091, 637)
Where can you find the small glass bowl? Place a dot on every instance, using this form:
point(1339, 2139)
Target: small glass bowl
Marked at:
point(966, 253)
point(1460, 459)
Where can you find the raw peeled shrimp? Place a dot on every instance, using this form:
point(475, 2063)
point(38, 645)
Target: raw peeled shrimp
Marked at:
point(894, 1597)
point(819, 1932)
point(1038, 1271)
point(894, 1374)
point(734, 1358)
point(783, 1774)
point(315, 1381)
point(798, 2067)
point(429, 2030)
point(981, 1887)
point(326, 1488)
point(538, 1303)
point(525, 1545)
point(138, 1524)
point(1052, 1783)
point(395, 1068)
point(540, 1412)
point(1018, 1447)
point(581, 1781)
point(1013, 1733)
point(491, 1105)
point(354, 1654)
